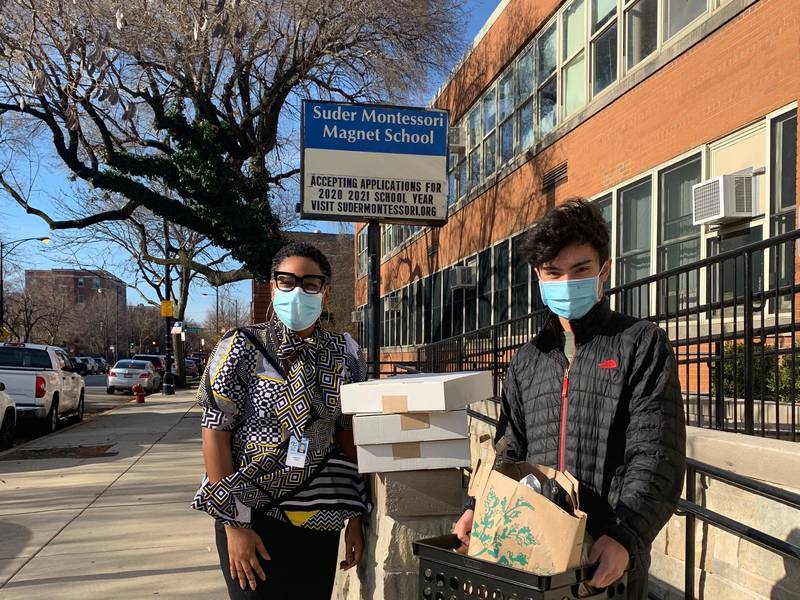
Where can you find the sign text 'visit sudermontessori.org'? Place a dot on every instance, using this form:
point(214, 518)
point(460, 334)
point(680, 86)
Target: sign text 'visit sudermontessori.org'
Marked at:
point(369, 162)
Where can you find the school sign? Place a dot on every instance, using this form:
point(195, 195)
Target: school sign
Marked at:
point(374, 163)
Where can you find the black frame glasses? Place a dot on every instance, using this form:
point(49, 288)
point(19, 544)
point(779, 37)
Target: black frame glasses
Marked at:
point(292, 281)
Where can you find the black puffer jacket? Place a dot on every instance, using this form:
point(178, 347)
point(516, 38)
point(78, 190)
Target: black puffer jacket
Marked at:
point(619, 429)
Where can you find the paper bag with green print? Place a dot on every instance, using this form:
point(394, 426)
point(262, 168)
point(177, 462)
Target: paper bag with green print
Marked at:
point(518, 527)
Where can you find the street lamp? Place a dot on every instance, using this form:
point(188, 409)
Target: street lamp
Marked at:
point(3, 252)
point(216, 314)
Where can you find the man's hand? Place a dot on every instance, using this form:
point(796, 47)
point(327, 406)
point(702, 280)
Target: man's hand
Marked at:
point(613, 559)
point(463, 530)
point(244, 547)
point(353, 543)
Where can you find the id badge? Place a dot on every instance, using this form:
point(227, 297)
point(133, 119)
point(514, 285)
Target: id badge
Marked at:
point(298, 450)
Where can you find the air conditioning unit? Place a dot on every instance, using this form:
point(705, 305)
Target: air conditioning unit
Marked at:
point(357, 316)
point(463, 278)
point(455, 140)
point(392, 304)
point(724, 198)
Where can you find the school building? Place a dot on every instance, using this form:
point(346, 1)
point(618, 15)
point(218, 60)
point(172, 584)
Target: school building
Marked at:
point(631, 103)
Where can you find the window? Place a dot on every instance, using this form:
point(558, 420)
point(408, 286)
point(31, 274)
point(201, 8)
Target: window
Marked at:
point(458, 311)
point(447, 305)
point(95, 283)
point(452, 179)
point(420, 310)
point(574, 72)
point(485, 288)
point(641, 24)
point(547, 84)
point(679, 13)
point(505, 110)
point(603, 44)
point(783, 191)
point(363, 257)
point(525, 124)
point(80, 282)
point(679, 239)
point(520, 285)
point(405, 316)
point(475, 168)
point(490, 137)
point(471, 302)
point(436, 307)
point(501, 284)
point(633, 244)
point(727, 282)
point(604, 203)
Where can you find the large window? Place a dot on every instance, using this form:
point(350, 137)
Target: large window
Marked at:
point(363, 257)
point(679, 13)
point(783, 192)
point(547, 80)
point(501, 283)
point(458, 311)
point(641, 24)
point(474, 137)
point(436, 310)
point(727, 282)
point(604, 203)
point(485, 288)
point(525, 100)
point(447, 304)
point(603, 22)
point(573, 73)
point(419, 303)
point(471, 301)
point(633, 243)
point(505, 114)
point(679, 239)
point(520, 285)
point(489, 134)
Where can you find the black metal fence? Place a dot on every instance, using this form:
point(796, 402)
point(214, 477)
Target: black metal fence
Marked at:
point(733, 322)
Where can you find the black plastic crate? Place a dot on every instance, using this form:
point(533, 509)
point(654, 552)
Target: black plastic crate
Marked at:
point(446, 575)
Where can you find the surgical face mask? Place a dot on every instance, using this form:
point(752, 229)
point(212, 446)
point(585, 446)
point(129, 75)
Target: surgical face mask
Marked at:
point(298, 310)
point(573, 298)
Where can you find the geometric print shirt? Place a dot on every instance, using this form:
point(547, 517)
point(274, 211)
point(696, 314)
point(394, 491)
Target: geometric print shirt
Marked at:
point(242, 391)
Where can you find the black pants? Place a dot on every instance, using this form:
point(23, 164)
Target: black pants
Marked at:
point(303, 564)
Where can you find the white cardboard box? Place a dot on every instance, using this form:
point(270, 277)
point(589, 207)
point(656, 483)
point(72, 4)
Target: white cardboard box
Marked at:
point(410, 427)
point(413, 456)
point(416, 393)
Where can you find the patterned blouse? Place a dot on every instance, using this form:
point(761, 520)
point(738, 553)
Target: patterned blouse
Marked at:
point(265, 384)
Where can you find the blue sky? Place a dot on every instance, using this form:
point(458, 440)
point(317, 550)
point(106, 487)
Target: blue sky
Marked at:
point(16, 224)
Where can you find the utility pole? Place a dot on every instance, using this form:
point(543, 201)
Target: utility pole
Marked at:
point(169, 386)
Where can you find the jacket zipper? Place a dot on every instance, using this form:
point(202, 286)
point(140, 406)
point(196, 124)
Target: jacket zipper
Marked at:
point(562, 438)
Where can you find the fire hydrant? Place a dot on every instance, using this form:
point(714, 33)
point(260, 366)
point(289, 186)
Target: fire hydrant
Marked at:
point(138, 391)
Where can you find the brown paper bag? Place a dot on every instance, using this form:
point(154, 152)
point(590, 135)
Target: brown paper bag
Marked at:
point(518, 527)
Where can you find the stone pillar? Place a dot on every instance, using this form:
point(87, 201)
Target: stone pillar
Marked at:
point(409, 506)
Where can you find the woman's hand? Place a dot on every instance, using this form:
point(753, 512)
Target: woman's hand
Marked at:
point(353, 543)
point(244, 548)
point(463, 530)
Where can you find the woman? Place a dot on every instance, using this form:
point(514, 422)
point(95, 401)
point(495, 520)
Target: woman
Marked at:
point(281, 479)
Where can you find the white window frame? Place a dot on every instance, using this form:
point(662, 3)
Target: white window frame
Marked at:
point(564, 62)
point(592, 40)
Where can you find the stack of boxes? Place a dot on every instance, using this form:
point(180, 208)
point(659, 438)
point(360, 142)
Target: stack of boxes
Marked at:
point(413, 422)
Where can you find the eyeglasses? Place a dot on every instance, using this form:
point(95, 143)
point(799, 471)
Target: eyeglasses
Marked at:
point(310, 284)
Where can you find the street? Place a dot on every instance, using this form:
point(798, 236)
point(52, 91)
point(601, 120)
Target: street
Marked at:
point(101, 510)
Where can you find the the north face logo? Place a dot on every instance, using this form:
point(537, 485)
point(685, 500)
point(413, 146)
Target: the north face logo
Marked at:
point(608, 364)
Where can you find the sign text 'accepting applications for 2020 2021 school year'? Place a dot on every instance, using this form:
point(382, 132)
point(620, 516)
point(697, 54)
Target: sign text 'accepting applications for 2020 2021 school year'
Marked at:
point(370, 162)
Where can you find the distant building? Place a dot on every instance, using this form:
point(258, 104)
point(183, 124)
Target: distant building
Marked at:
point(339, 250)
point(94, 304)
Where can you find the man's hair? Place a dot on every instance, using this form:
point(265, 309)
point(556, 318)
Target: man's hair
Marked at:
point(303, 250)
point(576, 221)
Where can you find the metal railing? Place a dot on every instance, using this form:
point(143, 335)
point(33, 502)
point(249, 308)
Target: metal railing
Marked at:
point(733, 322)
point(692, 511)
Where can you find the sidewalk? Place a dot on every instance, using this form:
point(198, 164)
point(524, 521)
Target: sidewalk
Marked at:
point(113, 523)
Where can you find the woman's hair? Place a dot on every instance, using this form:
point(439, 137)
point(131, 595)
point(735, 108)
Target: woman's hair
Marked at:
point(302, 250)
point(577, 221)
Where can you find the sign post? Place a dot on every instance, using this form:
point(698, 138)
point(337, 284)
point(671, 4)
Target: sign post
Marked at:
point(374, 164)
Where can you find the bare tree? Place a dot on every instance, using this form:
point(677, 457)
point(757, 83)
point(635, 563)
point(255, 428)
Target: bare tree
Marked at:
point(198, 98)
point(145, 326)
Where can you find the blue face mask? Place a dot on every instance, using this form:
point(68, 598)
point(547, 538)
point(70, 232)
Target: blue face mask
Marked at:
point(298, 310)
point(571, 299)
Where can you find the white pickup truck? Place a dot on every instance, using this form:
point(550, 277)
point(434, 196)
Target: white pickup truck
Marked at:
point(43, 382)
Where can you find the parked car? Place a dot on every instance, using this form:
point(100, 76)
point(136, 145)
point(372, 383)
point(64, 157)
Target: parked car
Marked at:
point(92, 367)
point(127, 373)
point(102, 364)
point(82, 368)
point(159, 361)
point(190, 367)
point(43, 383)
point(8, 418)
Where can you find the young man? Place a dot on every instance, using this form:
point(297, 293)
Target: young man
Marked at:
point(596, 393)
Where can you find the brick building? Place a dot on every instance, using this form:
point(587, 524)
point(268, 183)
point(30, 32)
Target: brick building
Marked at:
point(627, 102)
point(339, 250)
point(94, 306)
